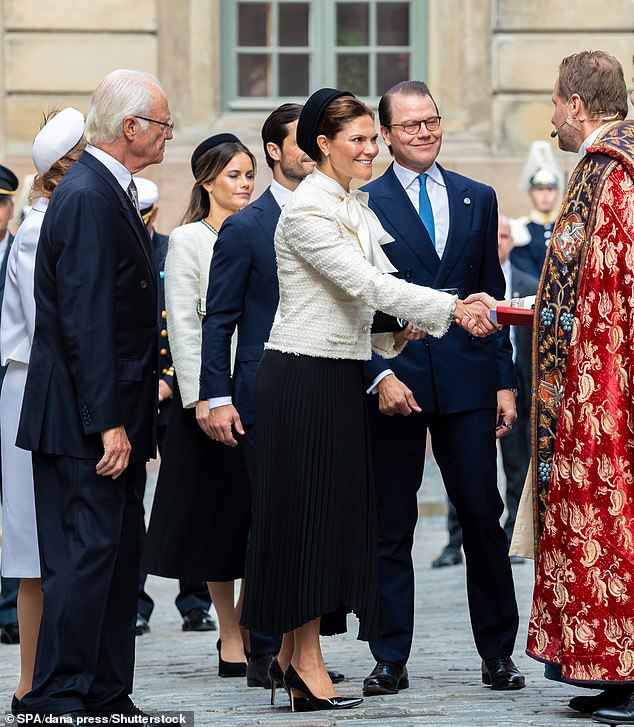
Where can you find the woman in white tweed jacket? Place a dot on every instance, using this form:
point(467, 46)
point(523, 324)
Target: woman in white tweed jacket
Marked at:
point(313, 551)
point(201, 514)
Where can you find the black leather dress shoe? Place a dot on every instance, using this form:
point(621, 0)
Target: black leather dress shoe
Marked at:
point(141, 625)
point(10, 634)
point(449, 556)
point(386, 678)
point(258, 671)
point(611, 696)
point(198, 620)
point(336, 677)
point(502, 674)
point(623, 714)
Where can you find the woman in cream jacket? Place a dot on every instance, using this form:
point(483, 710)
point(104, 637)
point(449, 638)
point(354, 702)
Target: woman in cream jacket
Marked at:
point(201, 514)
point(313, 553)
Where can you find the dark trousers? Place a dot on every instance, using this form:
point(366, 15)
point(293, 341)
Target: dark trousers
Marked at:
point(516, 455)
point(464, 448)
point(191, 595)
point(260, 644)
point(90, 531)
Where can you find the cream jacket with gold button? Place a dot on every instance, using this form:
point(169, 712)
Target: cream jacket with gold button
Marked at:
point(186, 277)
point(326, 241)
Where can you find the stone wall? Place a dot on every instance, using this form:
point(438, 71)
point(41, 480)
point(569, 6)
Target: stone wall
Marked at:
point(491, 68)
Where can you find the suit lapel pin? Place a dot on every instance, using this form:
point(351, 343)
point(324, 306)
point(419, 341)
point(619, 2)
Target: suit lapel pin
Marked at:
point(467, 200)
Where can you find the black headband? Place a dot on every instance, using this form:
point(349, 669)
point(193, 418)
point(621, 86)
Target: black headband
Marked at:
point(310, 118)
point(210, 143)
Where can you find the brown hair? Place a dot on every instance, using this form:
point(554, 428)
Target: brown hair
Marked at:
point(337, 114)
point(597, 78)
point(406, 88)
point(208, 167)
point(44, 184)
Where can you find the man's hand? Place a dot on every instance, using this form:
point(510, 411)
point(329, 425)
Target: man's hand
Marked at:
point(507, 411)
point(116, 452)
point(474, 318)
point(221, 422)
point(165, 391)
point(395, 397)
point(409, 333)
point(485, 298)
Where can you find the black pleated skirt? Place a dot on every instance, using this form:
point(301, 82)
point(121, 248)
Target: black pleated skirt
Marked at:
point(313, 547)
point(201, 514)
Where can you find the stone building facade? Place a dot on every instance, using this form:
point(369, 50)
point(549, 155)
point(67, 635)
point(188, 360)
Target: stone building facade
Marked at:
point(226, 63)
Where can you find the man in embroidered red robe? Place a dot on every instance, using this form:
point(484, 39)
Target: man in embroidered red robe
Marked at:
point(582, 618)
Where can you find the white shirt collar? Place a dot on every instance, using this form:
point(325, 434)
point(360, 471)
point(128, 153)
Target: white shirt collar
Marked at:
point(114, 166)
point(589, 141)
point(280, 193)
point(407, 176)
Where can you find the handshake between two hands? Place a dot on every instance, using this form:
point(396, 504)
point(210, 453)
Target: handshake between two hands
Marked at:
point(472, 314)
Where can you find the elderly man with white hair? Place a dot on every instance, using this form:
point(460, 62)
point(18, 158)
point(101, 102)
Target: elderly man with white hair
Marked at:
point(90, 401)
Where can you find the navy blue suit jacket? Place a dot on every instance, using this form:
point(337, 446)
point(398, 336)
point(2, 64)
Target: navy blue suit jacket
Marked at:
point(94, 359)
point(242, 292)
point(457, 372)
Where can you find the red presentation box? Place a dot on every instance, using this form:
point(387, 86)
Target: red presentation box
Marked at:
point(507, 316)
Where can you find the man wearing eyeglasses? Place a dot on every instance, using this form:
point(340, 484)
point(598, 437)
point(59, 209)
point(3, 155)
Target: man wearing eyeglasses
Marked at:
point(459, 389)
point(90, 403)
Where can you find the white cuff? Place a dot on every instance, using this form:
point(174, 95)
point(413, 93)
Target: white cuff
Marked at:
point(217, 401)
point(373, 388)
point(529, 301)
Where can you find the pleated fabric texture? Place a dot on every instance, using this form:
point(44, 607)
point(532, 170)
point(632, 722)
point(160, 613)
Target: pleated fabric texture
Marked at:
point(313, 546)
point(201, 514)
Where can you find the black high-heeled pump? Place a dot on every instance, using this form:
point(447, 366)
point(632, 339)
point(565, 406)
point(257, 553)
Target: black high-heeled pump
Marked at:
point(292, 680)
point(229, 668)
point(16, 705)
point(277, 680)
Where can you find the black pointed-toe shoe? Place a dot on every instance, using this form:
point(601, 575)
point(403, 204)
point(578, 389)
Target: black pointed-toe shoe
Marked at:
point(621, 714)
point(293, 681)
point(611, 696)
point(229, 668)
point(502, 674)
point(386, 678)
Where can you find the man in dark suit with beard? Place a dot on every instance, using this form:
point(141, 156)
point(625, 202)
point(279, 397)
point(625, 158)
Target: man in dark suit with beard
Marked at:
point(90, 402)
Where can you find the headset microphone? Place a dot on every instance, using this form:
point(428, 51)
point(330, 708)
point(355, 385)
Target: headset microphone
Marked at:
point(553, 133)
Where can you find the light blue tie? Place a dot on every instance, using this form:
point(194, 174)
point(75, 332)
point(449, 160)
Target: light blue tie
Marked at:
point(425, 211)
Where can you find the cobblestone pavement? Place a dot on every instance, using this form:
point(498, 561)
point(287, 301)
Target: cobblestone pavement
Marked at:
point(177, 671)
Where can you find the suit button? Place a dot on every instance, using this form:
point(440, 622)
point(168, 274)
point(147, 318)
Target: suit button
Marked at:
point(164, 314)
point(163, 352)
point(143, 283)
point(364, 329)
point(164, 333)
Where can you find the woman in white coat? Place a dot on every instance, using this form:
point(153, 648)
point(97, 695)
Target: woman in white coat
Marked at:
point(202, 506)
point(56, 147)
